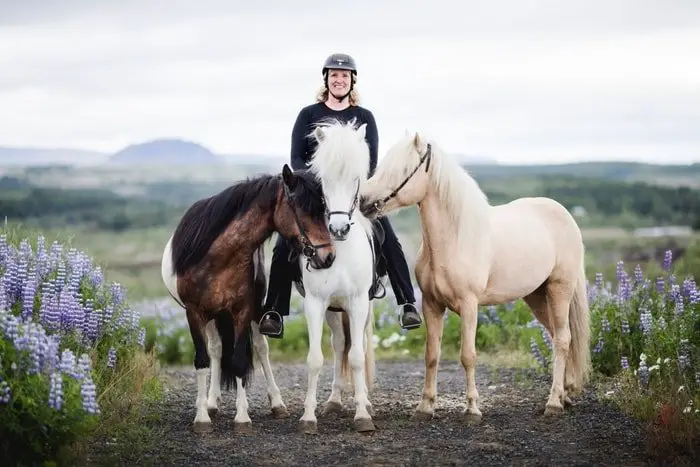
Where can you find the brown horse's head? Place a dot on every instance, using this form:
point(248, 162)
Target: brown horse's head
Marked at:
point(300, 216)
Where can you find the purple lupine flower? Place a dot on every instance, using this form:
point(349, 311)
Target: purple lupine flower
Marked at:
point(619, 270)
point(5, 392)
point(624, 288)
point(668, 260)
point(535, 349)
point(545, 337)
point(683, 355)
point(625, 326)
point(29, 294)
point(88, 391)
point(624, 363)
point(675, 293)
point(638, 275)
point(56, 390)
point(680, 308)
point(645, 320)
point(660, 284)
point(599, 281)
point(643, 371)
point(599, 345)
point(142, 337)
point(605, 324)
point(111, 357)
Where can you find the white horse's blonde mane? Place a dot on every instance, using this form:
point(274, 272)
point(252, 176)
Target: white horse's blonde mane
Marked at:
point(342, 154)
point(341, 158)
point(467, 204)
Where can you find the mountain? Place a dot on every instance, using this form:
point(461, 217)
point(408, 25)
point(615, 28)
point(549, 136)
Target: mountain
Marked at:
point(165, 151)
point(41, 156)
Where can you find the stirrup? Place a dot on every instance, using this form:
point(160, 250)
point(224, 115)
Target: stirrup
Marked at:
point(403, 315)
point(267, 318)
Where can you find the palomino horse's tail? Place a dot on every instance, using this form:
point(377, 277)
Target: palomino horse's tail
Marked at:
point(346, 370)
point(579, 362)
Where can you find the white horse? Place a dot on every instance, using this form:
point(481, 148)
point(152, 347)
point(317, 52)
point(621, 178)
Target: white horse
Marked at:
point(341, 161)
point(475, 254)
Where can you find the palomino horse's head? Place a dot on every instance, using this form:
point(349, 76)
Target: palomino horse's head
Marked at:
point(341, 162)
point(401, 179)
point(300, 216)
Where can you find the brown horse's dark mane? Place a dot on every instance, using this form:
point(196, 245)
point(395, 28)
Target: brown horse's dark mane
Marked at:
point(207, 218)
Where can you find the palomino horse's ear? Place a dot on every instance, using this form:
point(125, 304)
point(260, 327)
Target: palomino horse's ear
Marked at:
point(319, 134)
point(417, 141)
point(362, 131)
point(288, 176)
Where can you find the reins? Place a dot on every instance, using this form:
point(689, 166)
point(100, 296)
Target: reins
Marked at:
point(379, 204)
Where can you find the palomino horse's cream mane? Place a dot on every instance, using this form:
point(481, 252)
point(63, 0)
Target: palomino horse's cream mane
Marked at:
point(467, 205)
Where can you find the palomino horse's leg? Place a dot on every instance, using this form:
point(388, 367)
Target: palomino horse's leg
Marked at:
point(313, 309)
point(262, 351)
point(433, 313)
point(334, 402)
point(202, 422)
point(214, 349)
point(468, 309)
point(559, 298)
point(359, 313)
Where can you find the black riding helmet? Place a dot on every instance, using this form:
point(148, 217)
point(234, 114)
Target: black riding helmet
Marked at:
point(340, 62)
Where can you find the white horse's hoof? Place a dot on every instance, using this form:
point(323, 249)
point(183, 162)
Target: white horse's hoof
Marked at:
point(243, 428)
point(202, 427)
point(280, 412)
point(363, 425)
point(308, 427)
point(421, 416)
point(332, 407)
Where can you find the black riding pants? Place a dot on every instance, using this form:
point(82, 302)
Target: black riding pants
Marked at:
point(282, 271)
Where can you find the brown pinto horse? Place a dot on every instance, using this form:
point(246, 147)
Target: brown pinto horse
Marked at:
point(213, 267)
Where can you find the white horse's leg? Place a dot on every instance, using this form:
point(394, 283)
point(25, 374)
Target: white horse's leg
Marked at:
point(559, 297)
point(358, 313)
point(242, 422)
point(262, 351)
point(214, 349)
point(468, 310)
point(335, 322)
point(433, 314)
point(313, 309)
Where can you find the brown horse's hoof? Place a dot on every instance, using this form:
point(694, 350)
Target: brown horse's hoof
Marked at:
point(280, 412)
point(471, 418)
point(308, 427)
point(420, 416)
point(363, 425)
point(244, 428)
point(332, 407)
point(202, 427)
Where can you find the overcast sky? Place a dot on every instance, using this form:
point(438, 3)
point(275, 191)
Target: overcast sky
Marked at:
point(519, 81)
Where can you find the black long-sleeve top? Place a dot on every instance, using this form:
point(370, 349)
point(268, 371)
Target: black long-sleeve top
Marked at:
point(303, 147)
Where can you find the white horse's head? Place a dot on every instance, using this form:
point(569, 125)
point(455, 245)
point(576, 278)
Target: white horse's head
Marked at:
point(341, 161)
point(402, 178)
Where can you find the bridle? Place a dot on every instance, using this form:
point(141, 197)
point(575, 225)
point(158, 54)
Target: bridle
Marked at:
point(352, 207)
point(379, 204)
point(308, 249)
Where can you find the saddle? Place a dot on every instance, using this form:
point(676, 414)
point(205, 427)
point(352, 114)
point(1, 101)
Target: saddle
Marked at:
point(379, 263)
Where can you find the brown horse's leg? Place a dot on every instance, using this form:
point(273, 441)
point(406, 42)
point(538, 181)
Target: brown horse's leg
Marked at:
point(468, 309)
point(202, 422)
point(433, 313)
point(558, 299)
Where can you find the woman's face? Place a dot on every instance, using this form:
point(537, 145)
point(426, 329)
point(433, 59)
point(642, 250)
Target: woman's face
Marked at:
point(339, 82)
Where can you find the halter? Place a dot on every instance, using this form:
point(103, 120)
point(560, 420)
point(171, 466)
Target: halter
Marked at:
point(308, 248)
point(379, 204)
point(352, 207)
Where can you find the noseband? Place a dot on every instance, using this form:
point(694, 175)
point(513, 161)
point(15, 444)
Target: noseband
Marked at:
point(352, 207)
point(308, 248)
point(379, 204)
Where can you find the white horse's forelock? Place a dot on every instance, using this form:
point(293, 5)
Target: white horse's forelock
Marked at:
point(342, 152)
point(456, 189)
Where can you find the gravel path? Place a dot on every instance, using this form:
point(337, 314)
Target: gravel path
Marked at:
point(513, 430)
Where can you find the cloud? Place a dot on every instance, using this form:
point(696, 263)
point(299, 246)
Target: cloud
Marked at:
point(517, 81)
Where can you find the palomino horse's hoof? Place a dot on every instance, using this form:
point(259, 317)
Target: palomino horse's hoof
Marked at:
point(280, 412)
point(332, 407)
point(202, 427)
point(553, 410)
point(363, 425)
point(567, 402)
point(420, 416)
point(471, 418)
point(243, 428)
point(213, 411)
point(308, 427)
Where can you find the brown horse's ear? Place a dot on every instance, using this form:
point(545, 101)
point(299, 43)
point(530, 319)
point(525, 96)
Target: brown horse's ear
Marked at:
point(289, 178)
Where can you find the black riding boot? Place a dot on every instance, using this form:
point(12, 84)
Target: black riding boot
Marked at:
point(400, 278)
point(280, 292)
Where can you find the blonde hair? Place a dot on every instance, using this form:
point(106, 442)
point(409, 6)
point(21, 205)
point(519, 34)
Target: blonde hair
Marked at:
point(353, 98)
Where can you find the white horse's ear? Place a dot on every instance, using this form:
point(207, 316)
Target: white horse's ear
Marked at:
point(319, 134)
point(362, 131)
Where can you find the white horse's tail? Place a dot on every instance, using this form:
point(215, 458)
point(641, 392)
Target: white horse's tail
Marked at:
point(346, 370)
point(579, 364)
point(168, 274)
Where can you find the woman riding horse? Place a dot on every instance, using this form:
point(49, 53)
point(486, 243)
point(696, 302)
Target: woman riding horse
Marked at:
point(336, 99)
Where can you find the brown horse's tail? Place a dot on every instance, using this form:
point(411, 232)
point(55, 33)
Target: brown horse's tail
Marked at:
point(579, 361)
point(346, 370)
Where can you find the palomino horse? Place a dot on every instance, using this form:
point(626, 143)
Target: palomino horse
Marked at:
point(475, 254)
point(341, 162)
point(213, 267)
